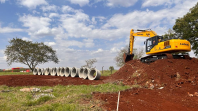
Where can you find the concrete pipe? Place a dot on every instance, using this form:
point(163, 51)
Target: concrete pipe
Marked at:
point(68, 71)
point(42, 71)
point(50, 71)
point(81, 72)
point(35, 71)
point(54, 72)
point(62, 71)
point(85, 73)
point(39, 71)
point(58, 71)
point(74, 72)
point(94, 74)
point(47, 71)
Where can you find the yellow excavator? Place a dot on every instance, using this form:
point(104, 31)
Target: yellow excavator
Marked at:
point(157, 47)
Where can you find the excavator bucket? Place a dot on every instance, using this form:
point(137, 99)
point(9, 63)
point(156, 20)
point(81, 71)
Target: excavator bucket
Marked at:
point(127, 57)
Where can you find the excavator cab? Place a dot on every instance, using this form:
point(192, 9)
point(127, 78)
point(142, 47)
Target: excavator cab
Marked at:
point(151, 42)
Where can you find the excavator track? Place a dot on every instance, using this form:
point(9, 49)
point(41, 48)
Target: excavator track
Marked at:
point(152, 58)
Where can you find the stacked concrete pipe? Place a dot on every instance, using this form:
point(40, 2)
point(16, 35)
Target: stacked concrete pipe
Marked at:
point(85, 73)
point(51, 73)
point(39, 71)
point(62, 71)
point(58, 71)
point(68, 71)
point(94, 74)
point(74, 72)
point(47, 71)
point(81, 72)
point(43, 71)
point(54, 71)
point(35, 71)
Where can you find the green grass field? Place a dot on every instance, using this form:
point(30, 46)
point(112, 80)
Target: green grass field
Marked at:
point(67, 98)
point(15, 73)
point(107, 72)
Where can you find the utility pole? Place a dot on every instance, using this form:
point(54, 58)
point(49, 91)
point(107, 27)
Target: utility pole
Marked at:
point(102, 69)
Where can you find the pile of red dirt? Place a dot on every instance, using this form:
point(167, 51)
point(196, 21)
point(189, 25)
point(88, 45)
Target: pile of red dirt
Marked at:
point(164, 72)
point(36, 80)
point(166, 85)
point(148, 100)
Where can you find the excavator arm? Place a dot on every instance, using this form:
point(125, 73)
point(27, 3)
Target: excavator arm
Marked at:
point(142, 33)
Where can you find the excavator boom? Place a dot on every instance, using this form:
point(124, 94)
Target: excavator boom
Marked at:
point(142, 33)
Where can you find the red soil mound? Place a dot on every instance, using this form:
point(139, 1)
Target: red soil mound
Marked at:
point(35, 80)
point(167, 85)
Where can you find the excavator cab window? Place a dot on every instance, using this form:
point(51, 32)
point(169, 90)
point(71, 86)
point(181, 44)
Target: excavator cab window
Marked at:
point(151, 42)
point(148, 44)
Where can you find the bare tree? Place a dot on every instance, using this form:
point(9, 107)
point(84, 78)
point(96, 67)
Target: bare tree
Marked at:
point(89, 63)
point(119, 58)
point(138, 53)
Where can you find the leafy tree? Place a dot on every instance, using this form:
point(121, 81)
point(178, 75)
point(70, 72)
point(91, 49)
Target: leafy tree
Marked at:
point(29, 53)
point(170, 34)
point(187, 27)
point(89, 63)
point(111, 68)
point(119, 58)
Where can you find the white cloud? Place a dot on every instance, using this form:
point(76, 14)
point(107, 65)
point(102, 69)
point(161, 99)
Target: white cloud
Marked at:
point(64, 42)
point(67, 43)
point(76, 58)
point(125, 3)
point(67, 9)
point(50, 43)
point(80, 2)
point(32, 3)
point(35, 12)
point(51, 15)
point(161, 19)
point(9, 30)
point(88, 42)
point(155, 2)
point(148, 3)
point(114, 49)
point(3, 1)
point(3, 58)
point(49, 8)
point(38, 26)
point(27, 39)
point(97, 51)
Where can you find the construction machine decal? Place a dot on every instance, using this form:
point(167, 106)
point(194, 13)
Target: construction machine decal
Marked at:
point(184, 44)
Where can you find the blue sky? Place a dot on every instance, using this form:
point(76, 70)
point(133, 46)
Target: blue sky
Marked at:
point(84, 29)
